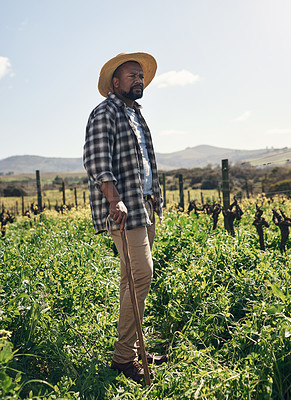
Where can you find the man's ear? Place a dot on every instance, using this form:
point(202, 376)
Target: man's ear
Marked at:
point(115, 82)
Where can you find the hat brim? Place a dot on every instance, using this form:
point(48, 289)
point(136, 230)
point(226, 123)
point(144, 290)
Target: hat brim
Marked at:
point(145, 60)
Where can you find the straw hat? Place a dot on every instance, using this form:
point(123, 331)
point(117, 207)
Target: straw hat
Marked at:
point(146, 61)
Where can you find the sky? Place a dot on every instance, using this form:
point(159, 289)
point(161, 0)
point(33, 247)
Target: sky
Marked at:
point(223, 77)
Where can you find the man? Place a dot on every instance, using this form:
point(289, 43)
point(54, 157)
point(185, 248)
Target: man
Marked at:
point(124, 188)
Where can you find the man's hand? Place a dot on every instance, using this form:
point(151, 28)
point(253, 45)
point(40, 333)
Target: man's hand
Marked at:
point(117, 209)
point(118, 212)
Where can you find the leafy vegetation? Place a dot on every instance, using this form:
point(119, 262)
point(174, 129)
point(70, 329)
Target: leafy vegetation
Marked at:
point(195, 178)
point(281, 186)
point(14, 191)
point(244, 178)
point(218, 305)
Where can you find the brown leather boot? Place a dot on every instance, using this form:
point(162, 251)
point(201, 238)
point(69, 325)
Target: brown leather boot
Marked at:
point(132, 369)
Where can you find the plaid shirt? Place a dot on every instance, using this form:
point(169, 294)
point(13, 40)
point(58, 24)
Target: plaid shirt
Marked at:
point(112, 153)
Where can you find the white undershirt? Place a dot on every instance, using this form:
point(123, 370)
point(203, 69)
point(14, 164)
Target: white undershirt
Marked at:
point(148, 180)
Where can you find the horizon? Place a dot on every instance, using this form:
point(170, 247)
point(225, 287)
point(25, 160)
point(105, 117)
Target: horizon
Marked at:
point(189, 147)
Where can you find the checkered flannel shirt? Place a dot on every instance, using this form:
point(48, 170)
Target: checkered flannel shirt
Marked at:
point(112, 153)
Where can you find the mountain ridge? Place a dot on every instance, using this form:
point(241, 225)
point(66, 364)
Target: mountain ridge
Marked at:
point(191, 157)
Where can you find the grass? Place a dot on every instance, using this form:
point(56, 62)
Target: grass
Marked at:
point(218, 305)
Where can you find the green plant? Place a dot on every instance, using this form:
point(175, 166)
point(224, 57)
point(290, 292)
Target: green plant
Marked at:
point(218, 305)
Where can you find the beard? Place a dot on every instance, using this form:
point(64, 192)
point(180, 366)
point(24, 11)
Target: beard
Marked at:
point(131, 95)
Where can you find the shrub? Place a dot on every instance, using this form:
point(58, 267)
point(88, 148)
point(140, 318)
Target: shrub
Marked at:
point(209, 183)
point(14, 191)
point(281, 186)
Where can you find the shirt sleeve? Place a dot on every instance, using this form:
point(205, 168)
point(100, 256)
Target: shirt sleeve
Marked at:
point(98, 148)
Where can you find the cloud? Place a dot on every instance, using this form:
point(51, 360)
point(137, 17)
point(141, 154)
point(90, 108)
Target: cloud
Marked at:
point(172, 132)
point(5, 66)
point(176, 78)
point(278, 131)
point(243, 117)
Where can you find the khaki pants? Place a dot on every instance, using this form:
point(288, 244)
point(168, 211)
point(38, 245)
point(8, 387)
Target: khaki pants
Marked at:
point(140, 241)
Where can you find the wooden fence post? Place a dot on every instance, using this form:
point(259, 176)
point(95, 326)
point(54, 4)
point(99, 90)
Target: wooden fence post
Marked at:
point(202, 198)
point(164, 190)
point(64, 193)
point(76, 199)
point(225, 184)
point(247, 189)
point(181, 191)
point(225, 189)
point(39, 198)
point(84, 198)
point(22, 204)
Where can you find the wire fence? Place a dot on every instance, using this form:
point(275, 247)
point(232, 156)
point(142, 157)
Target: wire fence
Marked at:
point(40, 195)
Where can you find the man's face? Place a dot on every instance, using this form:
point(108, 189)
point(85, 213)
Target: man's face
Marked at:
point(129, 81)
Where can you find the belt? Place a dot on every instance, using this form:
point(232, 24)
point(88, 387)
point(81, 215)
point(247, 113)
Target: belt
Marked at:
point(147, 197)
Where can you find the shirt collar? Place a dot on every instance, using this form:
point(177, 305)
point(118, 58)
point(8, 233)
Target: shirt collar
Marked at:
point(120, 103)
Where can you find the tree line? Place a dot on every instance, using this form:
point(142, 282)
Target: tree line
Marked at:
point(245, 179)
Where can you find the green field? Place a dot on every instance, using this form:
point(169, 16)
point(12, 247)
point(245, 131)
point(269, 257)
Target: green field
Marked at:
point(218, 305)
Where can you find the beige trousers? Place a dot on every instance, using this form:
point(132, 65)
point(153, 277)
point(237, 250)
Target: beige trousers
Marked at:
point(140, 241)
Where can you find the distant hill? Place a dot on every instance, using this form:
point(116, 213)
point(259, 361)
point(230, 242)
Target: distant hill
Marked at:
point(191, 157)
point(200, 156)
point(276, 157)
point(28, 164)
